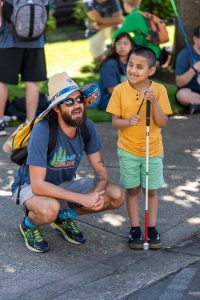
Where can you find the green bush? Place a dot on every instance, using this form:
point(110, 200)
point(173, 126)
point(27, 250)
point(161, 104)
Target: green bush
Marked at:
point(160, 8)
point(79, 13)
point(51, 22)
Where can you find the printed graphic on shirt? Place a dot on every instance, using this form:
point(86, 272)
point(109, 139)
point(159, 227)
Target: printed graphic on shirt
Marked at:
point(63, 160)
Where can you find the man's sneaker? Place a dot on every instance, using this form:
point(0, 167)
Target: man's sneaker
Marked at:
point(194, 109)
point(154, 239)
point(136, 239)
point(2, 129)
point(69, 231)
point(33, 238)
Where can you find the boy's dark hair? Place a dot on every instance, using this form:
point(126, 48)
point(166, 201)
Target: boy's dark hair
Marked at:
point(197, 32)
point(147, 53)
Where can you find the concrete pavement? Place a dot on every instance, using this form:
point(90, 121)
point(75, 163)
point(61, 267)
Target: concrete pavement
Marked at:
point(105, 268)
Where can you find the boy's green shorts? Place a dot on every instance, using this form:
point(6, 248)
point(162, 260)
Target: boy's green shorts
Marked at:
point(133, 171)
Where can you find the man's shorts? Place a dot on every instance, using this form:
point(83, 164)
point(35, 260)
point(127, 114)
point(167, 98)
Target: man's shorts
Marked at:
point(97, 41)
point(29, 62)
point(133, 171)
point(77, 185)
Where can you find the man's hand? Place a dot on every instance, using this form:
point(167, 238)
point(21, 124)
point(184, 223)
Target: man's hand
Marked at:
point(94, 200)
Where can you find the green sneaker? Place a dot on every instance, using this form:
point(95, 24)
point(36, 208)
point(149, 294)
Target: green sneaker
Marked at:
point(33, 238)
point(69, 231)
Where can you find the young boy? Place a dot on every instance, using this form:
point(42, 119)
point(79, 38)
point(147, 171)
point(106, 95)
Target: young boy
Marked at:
point(128, 108)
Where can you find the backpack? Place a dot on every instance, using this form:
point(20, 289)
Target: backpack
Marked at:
point(16, 144)
point(26, 19)
point(158, 33)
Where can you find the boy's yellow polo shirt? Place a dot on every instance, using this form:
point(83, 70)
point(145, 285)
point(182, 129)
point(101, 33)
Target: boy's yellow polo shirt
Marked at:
point(125, 102)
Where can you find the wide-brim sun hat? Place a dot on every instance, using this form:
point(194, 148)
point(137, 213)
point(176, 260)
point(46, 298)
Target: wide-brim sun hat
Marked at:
point(62, 86)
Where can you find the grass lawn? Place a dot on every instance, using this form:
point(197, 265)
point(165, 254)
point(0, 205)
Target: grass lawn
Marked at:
point(71, 56)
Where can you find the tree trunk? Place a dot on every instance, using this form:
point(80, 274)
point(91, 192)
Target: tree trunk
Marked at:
point(189, 11)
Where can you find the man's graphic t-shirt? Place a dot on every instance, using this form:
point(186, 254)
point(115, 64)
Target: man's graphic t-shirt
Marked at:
point(62, 163)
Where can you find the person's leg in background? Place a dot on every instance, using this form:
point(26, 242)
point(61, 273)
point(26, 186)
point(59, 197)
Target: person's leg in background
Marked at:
point(32, 98)
point(3, 100)
point(33, 70)
point(187, 97)
point(97, 44)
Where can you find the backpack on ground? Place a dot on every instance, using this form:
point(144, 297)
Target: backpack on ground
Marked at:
point(158, 33)
point(16, 144)
point(26, 19)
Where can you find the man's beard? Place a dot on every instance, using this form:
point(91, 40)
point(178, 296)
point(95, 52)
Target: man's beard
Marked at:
point(73, 123)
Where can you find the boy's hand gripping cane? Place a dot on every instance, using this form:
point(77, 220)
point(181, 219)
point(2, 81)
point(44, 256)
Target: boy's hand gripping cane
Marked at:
point(146, 244)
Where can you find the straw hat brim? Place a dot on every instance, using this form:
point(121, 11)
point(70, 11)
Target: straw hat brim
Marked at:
point(90, 92)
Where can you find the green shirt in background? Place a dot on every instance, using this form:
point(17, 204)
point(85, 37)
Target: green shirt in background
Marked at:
point(136, 23)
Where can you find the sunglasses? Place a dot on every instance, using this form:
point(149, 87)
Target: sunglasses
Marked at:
point(70, 101)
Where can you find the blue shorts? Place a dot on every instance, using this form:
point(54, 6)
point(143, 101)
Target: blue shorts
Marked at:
point(133, 171)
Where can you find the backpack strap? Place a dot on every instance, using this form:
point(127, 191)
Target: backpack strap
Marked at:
point(53, 133)
point(85, 134)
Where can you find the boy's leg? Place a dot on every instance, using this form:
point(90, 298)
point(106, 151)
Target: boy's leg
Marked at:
point(153, 207)
point(135, 235)
point(132, 203)
point(156, 180)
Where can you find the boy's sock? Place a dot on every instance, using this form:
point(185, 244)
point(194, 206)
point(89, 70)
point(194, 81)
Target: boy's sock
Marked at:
point(27, 223)
point(67, 213)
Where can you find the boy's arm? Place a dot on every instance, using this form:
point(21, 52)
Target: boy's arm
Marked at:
point(158, 115)
point(120, 123)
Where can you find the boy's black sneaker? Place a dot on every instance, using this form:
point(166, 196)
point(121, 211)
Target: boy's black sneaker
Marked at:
point(194, 109)
point(136, 238)
point(154, 239)
point(3, 132)
point(34, 239)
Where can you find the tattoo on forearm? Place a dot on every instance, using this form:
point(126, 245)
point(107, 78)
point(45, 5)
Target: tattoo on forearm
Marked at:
point(101, 162)
point(98, 179)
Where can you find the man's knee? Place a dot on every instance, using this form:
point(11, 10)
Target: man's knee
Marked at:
point(48, 211)
point(116, 195)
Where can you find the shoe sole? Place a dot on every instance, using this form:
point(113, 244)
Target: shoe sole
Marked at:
point(66, 237)
point(26, 242)
point(155, 247)
point(136, 247)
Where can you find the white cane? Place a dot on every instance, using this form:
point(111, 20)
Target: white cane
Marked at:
point(146, 244)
